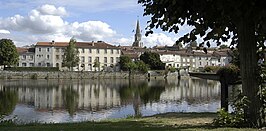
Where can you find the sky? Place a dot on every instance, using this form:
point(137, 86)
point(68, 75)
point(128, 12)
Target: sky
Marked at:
point(27, 22)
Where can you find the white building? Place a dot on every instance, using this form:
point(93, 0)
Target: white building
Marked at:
point(51, 54)
point(26, 57)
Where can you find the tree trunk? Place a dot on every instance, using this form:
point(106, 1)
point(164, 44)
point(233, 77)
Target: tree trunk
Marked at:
point(248, 69)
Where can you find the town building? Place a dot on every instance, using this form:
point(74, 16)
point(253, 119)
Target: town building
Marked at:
point(26, 57)
point(51, 54)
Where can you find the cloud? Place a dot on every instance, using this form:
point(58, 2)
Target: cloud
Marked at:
point(47, 23)
point(159, 39)
point(91, 30)
point(4, 32)
point(52, 10)
point(36, 21)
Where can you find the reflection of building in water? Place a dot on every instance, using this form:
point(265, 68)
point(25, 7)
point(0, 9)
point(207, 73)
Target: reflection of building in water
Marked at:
point(90, 97)
point(192, 90)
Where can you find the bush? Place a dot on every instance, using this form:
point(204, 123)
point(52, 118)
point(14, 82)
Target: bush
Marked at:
point(34, 76)
point(32, 69)
point(237, 117)
point(172, 69)
point(211, 68)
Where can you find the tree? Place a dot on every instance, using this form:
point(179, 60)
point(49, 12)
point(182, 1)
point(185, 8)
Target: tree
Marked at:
point(8, 53)
point(153, 60)
point(123, 60)
point(141, 66)
point(223, 46)
point(243, 22)
point(71, 58)
point(96, 64)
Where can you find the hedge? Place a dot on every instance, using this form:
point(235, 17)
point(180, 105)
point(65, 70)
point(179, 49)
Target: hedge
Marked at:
point(31, 68)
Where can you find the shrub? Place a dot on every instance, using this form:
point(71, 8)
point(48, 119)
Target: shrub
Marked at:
point(34, 76)
point(211, 68)
point(237, 117)
point(172, 69)
point(32, 69)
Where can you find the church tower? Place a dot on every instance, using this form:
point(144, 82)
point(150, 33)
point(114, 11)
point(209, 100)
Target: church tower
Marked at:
point(137, 42)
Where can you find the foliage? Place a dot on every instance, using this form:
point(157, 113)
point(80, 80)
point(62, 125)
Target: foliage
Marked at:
point(96, 64)
point(237, 117)
point(141, 66)
point(34, 76)
point(153, 60)
point(123, 60)
point(172, 69)
point(8, 101)
point(71, 58)
point(223, 46)
point(131, 66)
point(46, 69)
point(8, 53)
point(243, 22)
point(235, 58)
point(230, 70)
point(211, 68)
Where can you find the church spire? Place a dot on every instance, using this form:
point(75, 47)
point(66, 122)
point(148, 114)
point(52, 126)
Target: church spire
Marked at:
point(137, 42)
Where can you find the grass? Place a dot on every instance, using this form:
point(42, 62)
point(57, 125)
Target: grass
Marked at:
point(168, 121)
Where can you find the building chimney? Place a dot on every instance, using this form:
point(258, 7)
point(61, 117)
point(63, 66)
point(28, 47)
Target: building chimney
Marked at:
point(92, 43)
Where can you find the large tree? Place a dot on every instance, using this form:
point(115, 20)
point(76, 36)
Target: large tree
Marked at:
point(71, 58)
point(153, 60)
point(8, 53)
point(243, 22)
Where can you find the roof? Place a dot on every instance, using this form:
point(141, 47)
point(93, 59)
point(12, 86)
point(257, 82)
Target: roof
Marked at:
point(22, 50)
point(98, 44)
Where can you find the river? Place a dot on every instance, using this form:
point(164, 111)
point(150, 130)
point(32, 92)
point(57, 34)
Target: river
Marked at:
point(60, 101)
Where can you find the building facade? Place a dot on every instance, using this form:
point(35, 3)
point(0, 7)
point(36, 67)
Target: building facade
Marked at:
point(51, 54)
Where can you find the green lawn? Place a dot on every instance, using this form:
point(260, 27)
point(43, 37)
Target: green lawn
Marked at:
point(169, 121)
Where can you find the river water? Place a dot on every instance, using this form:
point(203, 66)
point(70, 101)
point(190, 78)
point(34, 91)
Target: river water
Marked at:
point(59, 101)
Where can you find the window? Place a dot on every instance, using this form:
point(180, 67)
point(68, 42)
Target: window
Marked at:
point(63, 50)
point(219, 60)
point(90, 67)
point(82, 59)
point(207, 63)
point(48, 64)
point(23, 57)
point(117, 59)
point(89, 59)
point(24, 64)
point(57, 57)
point(82, 50)
point(97, 59)
point(31, 57)
point(57, 49)
point(63, 57)
point(48, 49)
point(31, 64)
point(39, 64)
point(199, 58)
point(199, 63)
point(57, 64)
point(105, 51)
point(112, 51)
point(112, 59)
point(105, 59)
point(40, 49)
point(117, 51)
point(98, 51)
point(48, 56)
point(89, 50)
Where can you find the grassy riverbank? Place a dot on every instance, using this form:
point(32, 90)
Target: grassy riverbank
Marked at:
point(169, 121)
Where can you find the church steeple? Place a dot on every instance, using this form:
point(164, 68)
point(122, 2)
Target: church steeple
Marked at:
point(137, 42)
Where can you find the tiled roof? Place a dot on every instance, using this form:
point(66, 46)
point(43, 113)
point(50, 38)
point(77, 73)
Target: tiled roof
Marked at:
point(22, 50)
point(98, 44)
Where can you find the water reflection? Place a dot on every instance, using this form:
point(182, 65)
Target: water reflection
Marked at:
point(80, 100)
point(8, 100)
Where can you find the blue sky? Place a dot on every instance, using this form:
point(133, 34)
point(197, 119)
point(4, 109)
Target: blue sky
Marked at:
point(29, 21)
